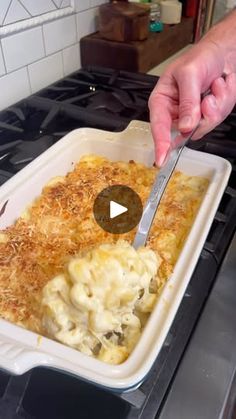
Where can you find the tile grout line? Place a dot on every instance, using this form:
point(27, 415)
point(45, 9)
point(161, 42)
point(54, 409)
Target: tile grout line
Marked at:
point(48, 56)
point(57, 7)
point(4, 61)
point(44, 43)
point(72, 45)
point(28, 75)
point(19, 1)
point(43, 58)
point(6, 12)
point(33, 62)
point(76, 28)
point(76, 43)
point(55, 80)
point(67, 46)
point(63, 63)
point(27, 63)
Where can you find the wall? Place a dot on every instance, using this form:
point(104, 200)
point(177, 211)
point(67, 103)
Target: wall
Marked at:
point(39, 43)
point(221, 8)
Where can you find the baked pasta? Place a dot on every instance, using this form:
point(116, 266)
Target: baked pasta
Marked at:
point(58, 232)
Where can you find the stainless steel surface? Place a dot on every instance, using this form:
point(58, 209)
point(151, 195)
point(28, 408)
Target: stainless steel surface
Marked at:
point(203, 383)
point(157, 191)
point(159, 186)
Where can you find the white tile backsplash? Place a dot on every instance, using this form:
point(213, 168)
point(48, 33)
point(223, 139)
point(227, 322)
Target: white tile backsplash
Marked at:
point(46, 71)
point(71, 59)
point(2, 66)
point(3, 9)
point(82, 5)
point(65, 3)
point(95, 3)
point(59, 34)
point(14, 87)
point(86, 22)
point(23, 48)
point(39, 7)
point(15, 13)
point(34, 58)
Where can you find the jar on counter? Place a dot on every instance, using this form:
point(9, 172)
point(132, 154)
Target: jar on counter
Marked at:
point(171, 11)
point(155, 24)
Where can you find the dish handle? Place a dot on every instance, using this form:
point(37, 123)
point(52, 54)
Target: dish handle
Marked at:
point(135, 124)
point(18, 359)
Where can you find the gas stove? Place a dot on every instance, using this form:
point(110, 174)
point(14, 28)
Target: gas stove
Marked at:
point(109, 100)
point(93, 97)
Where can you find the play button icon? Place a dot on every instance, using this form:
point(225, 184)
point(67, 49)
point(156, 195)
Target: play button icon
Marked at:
point(117, 209)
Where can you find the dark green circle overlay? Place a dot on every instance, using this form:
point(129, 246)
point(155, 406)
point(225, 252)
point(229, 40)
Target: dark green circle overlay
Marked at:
point(123, 195)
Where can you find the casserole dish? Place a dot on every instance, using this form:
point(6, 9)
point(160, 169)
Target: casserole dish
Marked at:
point(20, 349)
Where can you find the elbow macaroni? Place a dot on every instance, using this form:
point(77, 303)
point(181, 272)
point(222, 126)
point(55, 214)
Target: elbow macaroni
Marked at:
point(95, 305)
point(98, 303)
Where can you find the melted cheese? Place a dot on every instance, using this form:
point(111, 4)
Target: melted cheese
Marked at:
point(98, 298)
point(59, 226)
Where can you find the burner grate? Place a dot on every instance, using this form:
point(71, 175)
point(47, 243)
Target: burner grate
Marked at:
point(101, 99)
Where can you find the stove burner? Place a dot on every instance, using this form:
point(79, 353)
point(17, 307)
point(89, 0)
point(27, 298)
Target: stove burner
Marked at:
point(94, 97)
point(25, 152)
point(4, 176)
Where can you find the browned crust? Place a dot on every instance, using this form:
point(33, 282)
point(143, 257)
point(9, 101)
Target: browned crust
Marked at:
point(60, 224)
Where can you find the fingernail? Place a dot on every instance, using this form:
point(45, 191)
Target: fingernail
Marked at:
point(161, 159)
point(185, 122)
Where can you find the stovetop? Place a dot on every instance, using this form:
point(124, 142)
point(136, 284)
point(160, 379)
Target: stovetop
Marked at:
point(108, 99)
point(95, 98)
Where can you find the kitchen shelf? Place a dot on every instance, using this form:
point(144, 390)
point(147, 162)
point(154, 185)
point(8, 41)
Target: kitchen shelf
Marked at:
point(138, 56)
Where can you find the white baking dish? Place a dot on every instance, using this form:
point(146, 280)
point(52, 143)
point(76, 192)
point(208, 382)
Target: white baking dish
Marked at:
point(21, 350)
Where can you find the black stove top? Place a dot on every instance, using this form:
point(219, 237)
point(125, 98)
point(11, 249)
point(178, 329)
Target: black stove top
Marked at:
point(107, 99)
point(94, 97)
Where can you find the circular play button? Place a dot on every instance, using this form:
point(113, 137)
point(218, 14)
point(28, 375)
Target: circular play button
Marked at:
point(117, 209)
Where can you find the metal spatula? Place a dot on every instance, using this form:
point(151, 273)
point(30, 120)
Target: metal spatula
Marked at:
point(161, 181)
point(159, 187)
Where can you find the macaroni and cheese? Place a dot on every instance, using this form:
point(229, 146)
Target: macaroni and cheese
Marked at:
point(58, 232)
point(96, 304)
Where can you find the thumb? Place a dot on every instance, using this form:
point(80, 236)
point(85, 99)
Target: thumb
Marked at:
point(189, 103)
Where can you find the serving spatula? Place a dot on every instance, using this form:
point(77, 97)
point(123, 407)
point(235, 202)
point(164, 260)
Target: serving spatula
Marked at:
point(161, 181)
point(159, 187)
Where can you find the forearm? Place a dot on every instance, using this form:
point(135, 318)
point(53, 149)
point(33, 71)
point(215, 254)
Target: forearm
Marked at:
point(223, 36)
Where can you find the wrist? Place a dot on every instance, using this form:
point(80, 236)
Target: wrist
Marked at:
point(222, 37)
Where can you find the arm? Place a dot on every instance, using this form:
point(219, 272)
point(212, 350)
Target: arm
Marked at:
point(177, 96)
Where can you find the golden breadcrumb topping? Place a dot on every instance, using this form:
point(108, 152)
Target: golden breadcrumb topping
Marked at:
point(60, 225)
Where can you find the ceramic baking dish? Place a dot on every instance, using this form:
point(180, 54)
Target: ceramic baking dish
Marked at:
point(20, 349)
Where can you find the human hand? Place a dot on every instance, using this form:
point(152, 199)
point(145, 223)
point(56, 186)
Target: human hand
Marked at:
point(176, 99)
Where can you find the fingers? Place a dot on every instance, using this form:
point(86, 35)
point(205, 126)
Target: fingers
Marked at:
point(176, 96)
point(163, 144)
point(189, 100)
point(161, 120)
point(216, 106)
